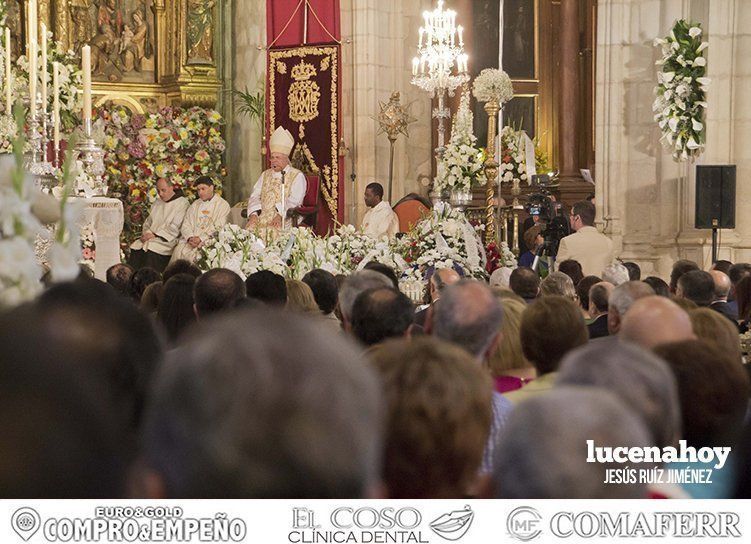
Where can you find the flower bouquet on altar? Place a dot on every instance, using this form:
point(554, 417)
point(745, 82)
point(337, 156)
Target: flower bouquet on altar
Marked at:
point(241, 251)
point(462, 164)
point(680, 106)
point(445, 239)
point(513, 157)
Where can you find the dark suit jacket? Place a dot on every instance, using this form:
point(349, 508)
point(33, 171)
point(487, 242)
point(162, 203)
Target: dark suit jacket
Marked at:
point(599, 327)
point(725, 309)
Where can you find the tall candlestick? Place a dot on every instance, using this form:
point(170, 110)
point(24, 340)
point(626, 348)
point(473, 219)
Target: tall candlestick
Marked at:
point(45, 75)
point(56, 106)
point(86, 67)
point(415, 65)
point(460, 28)
point(8, 75)
point(284, 210)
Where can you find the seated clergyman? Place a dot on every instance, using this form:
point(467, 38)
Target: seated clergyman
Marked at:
point(380, 220)
point(161, 229)
point(279, 189)
point(205, 217)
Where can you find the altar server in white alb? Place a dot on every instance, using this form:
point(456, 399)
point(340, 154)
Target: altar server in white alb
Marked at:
point(161, 229)
point(207, 215)
point(380, 220)
point(279, 189)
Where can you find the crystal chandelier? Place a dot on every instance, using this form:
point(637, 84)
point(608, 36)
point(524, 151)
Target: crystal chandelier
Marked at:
point(441, 49)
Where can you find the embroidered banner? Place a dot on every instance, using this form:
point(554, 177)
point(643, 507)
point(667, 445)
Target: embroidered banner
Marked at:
point(304, 95)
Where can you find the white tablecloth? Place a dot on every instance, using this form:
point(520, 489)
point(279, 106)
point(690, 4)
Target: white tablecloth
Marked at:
point(107, 218)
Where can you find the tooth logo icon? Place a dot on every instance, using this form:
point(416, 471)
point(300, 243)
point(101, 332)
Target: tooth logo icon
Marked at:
point(454, 525)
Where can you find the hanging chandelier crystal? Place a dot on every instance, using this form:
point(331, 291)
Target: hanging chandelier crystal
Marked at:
point(440, 48)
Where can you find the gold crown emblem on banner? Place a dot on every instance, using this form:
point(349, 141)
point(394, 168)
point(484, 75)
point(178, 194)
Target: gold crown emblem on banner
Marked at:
point(303, 71)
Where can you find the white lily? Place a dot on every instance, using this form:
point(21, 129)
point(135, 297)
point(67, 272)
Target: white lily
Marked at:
point(673, 124)
point(667, 77)
point(696, 125)
point(700, 61)
point(703, 80)
point(694, 31)
point(692, 144)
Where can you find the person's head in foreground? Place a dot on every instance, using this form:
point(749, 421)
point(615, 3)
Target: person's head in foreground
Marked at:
point(542, 453)
point(550, 328)
point(640, 379)
point(74, 373)
point(437, 418)
point(713, 389)
point(239, 415)
point(470, 316)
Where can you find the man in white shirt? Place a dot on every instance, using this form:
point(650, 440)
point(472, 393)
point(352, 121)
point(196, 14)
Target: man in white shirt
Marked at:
point(380, 220)
point(205, 217)
point(160, 230)
point(279, 189)
point(594, 251)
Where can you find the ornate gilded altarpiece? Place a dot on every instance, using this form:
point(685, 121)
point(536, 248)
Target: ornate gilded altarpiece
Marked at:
point(145, 53)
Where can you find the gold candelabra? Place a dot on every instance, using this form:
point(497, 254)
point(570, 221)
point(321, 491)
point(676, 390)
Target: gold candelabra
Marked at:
point(491, 171)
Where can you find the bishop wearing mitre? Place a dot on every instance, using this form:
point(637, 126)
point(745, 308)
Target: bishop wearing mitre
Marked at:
point(280, 188)
point(207, 215)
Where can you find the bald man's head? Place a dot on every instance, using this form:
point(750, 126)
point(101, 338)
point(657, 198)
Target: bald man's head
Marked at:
point(442, 278)
point(721, 284)
point(653, 321)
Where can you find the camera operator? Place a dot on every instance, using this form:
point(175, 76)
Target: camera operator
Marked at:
point(593, 250)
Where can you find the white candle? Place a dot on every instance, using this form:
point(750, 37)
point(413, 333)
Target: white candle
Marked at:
point(422, 32)
point(45, 75)
point(460, 28)
point(415, 65)
point(284, 208)
point(86, 67)
point(33, 61)
point(56, 103)
point(8, 75)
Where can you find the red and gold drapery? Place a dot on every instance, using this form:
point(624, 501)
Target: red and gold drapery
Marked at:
point(304, 90)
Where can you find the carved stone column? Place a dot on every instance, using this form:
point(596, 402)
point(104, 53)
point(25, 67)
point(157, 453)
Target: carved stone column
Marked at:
point(569, 117)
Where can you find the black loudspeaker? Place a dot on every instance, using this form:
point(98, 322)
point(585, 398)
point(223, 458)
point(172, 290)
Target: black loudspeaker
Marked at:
point(715, 197)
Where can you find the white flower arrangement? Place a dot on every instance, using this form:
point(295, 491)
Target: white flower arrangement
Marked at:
point(493, 84)
point(20, 231)
point(445, 239)
point(462, 161)
point(680, 107)
point(241, 251)
point(513, 163)
point(88, 246)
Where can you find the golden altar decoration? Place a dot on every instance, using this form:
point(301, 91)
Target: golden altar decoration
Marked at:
point(146, 54)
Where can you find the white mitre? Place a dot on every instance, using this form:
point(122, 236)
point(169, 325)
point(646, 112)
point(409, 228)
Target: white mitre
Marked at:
point(282, 141)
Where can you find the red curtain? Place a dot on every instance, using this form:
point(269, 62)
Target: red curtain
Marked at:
point(323, 22)
point(304, 91)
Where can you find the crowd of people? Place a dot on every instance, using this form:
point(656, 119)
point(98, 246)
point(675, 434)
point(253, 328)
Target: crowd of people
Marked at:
point(191, 384)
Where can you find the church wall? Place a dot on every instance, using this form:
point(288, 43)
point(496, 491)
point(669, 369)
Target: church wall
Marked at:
point(383, 36)
point(249, 30)
point(644, 198)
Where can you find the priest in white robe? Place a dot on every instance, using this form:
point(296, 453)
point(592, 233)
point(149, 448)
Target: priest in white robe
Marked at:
point(279, 189)
point(380, 221)
point(205, 217)
point(161, 229)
